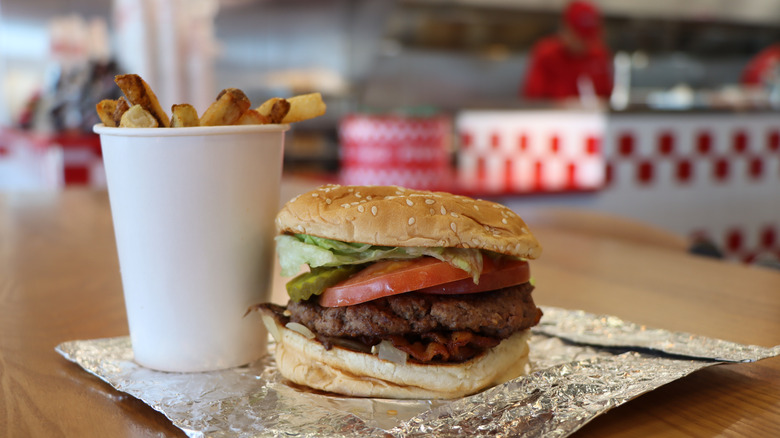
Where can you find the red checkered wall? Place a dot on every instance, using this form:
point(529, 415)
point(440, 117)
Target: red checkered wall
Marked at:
point(396, 149)
point(51, 161)
point(501, 153)
point(719, 175)
point(713, 175)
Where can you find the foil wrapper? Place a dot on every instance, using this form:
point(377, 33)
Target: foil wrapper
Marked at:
point(582, 366)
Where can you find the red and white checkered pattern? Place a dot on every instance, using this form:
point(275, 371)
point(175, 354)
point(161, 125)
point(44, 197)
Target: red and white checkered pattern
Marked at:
point(27, 162)
point(82, 160)
point(744, 244)
point(716, 175)
point(393, 149)
point(35, 161)
point(530, 152)
point(696, 149)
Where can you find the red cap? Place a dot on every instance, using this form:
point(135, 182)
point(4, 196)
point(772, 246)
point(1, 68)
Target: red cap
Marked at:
point(583, 18)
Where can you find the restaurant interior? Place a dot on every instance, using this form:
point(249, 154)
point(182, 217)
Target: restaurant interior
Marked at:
point(681, 143)
point(617, 272)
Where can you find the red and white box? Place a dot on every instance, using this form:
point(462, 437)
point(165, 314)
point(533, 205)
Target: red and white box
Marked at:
point(505, 152)
point(409, 151)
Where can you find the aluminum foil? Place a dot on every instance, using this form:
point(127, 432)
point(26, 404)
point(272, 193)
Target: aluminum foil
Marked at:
point(582, 366)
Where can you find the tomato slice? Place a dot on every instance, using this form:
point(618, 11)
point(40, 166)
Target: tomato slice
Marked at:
point(508, 273)
point(392, 277)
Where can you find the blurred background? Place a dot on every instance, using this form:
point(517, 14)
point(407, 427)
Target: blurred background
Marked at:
point(428, 94)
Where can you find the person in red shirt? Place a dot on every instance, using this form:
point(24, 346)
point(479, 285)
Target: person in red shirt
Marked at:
point(763, 69)
point(572, 64)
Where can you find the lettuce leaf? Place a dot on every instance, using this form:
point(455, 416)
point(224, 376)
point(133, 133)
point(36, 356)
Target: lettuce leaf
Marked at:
point(297, 250)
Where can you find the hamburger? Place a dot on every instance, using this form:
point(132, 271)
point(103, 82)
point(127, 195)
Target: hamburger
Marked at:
point(408, 293)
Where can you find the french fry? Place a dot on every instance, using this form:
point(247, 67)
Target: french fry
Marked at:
point(121, 107)
point(105, 110)
point(275, 108)
point(304, 107)
point(265, 107)
point(231, 103)
point(138, 92)
point(138, 117)
point(252, 117)
point(279, 110)
point(139, 108)
point(184, 115)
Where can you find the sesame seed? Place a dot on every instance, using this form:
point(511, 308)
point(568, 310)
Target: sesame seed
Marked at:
point(454, 227)
point(354, 203)
point(432, 212)
point(411, 221)
point(358, 195)
point(409, 202)
point(453, 214)
point(361, 209)
point(314, 195)
point(443, 210)
point(373, 210)
point(476, 207)
point(345, 205)
point(368, 197)
point(350, 190)
point(503, 221)
point(429, 201)
point(300, 228)
point(328, 201)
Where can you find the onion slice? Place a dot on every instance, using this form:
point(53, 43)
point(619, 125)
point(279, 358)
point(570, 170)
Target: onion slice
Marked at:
point(270, 324)
point(386, 351)
point(301, 329)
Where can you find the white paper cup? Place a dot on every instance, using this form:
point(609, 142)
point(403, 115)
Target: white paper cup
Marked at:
point(193, 212)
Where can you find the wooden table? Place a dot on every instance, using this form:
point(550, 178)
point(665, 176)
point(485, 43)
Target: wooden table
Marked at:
point(59, 281)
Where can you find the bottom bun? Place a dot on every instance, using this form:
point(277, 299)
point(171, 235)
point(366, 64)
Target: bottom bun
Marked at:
point(307, 362)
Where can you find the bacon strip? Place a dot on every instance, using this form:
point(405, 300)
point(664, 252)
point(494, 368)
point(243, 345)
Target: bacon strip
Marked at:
point(455, 346)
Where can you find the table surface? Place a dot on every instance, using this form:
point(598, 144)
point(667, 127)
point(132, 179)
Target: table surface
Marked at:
point(59, 281)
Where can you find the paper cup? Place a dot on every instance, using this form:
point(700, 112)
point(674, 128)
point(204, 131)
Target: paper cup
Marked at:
point(193, 212)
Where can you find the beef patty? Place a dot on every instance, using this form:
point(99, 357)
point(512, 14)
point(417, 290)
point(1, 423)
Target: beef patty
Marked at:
point(498, 314)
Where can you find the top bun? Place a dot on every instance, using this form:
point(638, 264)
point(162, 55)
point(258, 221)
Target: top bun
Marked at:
point(397, 216)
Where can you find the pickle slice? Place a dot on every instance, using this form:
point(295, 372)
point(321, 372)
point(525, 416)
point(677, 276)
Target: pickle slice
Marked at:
point(318, 279)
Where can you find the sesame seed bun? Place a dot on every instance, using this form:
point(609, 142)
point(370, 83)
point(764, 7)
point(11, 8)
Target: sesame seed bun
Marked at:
point(396, 216)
